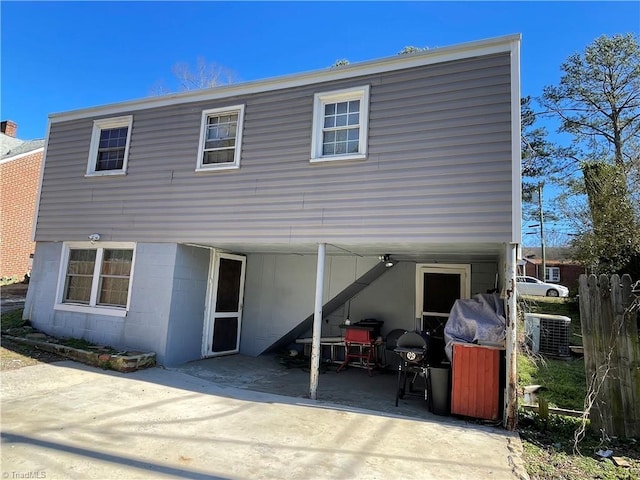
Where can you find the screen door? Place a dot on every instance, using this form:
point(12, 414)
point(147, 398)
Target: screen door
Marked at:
point(224, 309)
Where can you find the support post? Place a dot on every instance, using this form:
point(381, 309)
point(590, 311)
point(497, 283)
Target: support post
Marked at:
point(317, 323)
point(511, 387)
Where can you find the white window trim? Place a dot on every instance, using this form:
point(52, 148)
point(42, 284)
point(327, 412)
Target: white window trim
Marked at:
point(320, 99)
point(239, 109)
point(98, 126)
point(548, 277)
point(92, 308)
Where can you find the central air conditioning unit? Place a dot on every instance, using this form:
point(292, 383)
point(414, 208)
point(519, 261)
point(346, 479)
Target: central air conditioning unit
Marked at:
point(548, 334)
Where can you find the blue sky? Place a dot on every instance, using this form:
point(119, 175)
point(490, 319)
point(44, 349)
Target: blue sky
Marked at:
point(59, 56)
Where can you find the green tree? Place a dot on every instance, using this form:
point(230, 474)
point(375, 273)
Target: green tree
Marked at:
point(597, 103)
point(612, 243)
point(537, 169)
point(537, 151)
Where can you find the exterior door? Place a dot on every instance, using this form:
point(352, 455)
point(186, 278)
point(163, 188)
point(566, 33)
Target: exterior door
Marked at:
point(438, 287)
point(223, 316)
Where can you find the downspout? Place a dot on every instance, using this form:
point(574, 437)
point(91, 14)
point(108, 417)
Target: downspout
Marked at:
point(317, 323)
point(510, 395)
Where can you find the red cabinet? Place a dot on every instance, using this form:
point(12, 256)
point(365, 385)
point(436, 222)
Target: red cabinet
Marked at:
point(475, 382)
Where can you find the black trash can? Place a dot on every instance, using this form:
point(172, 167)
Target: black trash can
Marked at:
point(439, 390)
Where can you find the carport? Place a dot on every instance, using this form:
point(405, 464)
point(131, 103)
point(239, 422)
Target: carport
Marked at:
point(509, 262)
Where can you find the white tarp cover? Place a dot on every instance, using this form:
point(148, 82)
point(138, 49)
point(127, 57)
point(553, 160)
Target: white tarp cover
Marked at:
point(478, 320)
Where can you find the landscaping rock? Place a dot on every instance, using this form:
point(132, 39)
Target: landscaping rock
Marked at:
point(121, 362)
point(36, 336)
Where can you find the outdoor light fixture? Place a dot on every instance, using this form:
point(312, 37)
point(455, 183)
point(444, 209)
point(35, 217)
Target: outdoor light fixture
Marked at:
point(386, 259)
point(94, 237)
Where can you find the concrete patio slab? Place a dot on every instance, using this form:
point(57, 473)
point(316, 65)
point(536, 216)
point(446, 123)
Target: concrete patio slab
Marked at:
point(67, 420)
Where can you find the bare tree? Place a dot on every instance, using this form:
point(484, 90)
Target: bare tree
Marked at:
point(411, 49)
point(203, 75)
point(342, 62)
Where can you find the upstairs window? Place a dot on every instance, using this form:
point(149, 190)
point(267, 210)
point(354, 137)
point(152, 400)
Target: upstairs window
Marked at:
point(340, 123)
point(220, 138)
point(109, 150)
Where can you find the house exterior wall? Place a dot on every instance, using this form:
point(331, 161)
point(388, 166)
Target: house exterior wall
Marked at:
point(41, 295)
point(19, 181)
point(280, 289)
point(440, 175)
point(439, 168)
point(146, 325)
point(168, 298)
point(188, 299)
point(279, 294)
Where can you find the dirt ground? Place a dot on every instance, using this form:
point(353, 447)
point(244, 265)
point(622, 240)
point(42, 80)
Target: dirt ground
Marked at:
point(15, 355)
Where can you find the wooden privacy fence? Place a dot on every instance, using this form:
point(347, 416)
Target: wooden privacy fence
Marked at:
point(609, 315)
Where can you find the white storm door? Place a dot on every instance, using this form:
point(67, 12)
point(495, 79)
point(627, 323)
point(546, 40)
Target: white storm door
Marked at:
point(224, 306)
point(438, 287)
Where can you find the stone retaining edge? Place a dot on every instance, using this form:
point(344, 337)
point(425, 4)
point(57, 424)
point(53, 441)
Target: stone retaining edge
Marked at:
point(119, 362)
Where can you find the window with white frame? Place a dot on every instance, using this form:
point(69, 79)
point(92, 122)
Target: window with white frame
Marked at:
point(340, 124)
point(220, 138)
point(109, 149)
point(552, 274)
point(96, 277)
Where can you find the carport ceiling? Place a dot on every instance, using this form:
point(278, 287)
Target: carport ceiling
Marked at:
point(398, 251)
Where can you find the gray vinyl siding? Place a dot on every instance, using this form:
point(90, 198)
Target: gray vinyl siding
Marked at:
point(439, 169)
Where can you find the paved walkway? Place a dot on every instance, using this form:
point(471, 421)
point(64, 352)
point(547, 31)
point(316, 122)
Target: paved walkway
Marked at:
point(67, 420)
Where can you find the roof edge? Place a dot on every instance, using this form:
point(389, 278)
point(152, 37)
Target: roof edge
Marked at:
point(20, 155)
point(386, 64)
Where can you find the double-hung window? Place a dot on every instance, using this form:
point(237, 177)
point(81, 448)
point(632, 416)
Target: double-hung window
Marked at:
point(340, 124)
point(96, 278)
point(552, 274)
point(109, 149)
point(220, 138)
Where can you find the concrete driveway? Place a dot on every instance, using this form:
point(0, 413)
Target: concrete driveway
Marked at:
point(67, 420)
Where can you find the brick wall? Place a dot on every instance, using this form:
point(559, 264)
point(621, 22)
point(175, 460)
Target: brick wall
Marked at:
point(19, 181)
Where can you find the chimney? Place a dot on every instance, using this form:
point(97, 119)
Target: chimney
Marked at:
point(9, 128)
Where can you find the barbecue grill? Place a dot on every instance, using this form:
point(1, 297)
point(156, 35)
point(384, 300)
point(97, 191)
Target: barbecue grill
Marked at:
point(412, 349)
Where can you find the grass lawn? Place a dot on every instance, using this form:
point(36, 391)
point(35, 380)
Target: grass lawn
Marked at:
point(11, 319)
point(550, 449)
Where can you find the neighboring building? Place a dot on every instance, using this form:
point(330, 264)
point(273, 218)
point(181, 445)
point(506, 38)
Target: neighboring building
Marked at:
point(20, 169)
point(559, 268)
point(196, 224)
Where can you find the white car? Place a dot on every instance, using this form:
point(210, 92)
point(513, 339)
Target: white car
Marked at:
point(533, 286)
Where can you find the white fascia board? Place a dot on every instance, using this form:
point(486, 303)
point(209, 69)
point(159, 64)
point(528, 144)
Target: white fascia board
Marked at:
point(397, 62)
point(516, 145)
point(20, 155)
